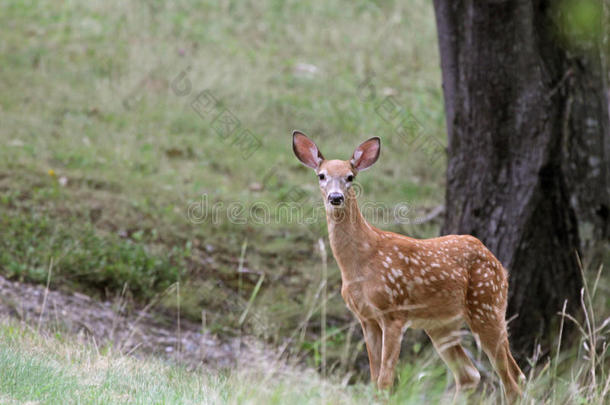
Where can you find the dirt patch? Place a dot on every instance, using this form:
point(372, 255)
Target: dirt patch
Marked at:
point(134, 332)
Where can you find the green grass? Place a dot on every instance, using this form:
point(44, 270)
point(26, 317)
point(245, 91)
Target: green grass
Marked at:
point(102, 157)
point(55, 368)
point(102, 263)
point(51, 370)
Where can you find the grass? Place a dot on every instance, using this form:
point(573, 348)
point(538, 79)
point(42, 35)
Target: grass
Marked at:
point(75, 372)
point(54, 368)
point(102, 263)
point(104, 155)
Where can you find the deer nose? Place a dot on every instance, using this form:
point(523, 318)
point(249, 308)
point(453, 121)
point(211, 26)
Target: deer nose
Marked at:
point(335, 198)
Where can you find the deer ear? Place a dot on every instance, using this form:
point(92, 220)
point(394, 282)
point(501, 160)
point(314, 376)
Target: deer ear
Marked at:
point(305, 150)
point(366, 154)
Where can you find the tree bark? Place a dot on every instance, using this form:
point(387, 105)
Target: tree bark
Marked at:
point(528, 151)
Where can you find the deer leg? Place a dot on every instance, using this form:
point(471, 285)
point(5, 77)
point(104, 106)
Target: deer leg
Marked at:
point(494, 340)
point(373, 337)
point(446, 341)
point(516, 371)
point(392, 338)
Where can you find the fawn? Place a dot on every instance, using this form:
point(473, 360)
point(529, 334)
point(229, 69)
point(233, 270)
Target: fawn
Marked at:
point(392, 282)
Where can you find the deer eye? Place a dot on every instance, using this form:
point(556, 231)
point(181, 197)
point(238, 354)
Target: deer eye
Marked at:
point(350, 177)
point(321, 176)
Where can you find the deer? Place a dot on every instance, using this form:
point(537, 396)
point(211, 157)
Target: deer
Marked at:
point(392, 282)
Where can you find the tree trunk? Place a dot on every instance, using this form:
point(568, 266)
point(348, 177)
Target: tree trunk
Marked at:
point(527, 124)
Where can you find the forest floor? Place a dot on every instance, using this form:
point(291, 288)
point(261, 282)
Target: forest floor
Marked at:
point(114, 324)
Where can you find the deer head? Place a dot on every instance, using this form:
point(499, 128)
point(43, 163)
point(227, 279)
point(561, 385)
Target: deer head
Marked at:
point(335, 177)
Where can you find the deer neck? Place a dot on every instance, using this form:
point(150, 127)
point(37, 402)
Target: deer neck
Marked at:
point(351, 237)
